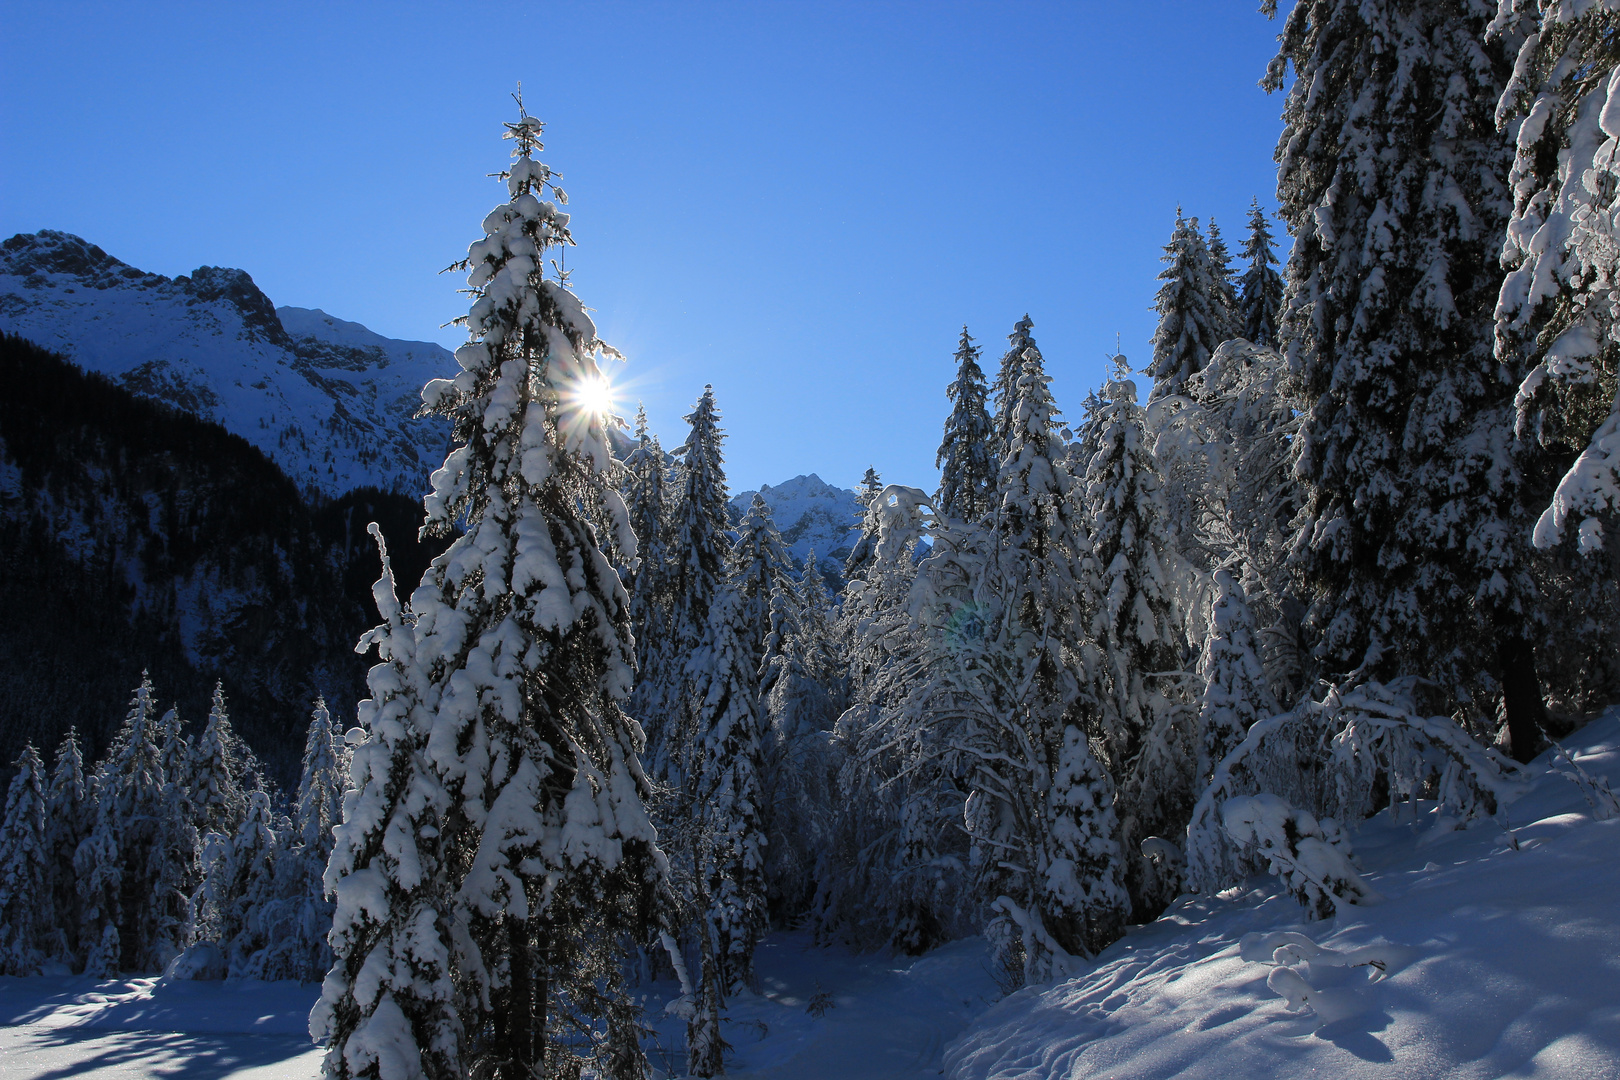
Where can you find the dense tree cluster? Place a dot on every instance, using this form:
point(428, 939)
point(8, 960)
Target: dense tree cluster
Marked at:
point(174, 853)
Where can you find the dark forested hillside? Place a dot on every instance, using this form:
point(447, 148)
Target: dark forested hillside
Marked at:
point(133, 535)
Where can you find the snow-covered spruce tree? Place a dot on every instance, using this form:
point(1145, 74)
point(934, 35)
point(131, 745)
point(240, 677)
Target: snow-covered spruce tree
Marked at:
point(724, 772)
point(650, 603)
point(1260, 303)
point(1021, 352)
point(69, 814)
point(1229, 452)
point(523, 637)
point(760, 570)
point(26, 912)
point(1393, 180)
point(1235, 690)
point(967, 471)
point(238, 884)
point(867, 890)
point(801, 686)
point(1558, 321)
point(1558, 314)
point(865, 547)
point(698, 566)
point(389, 1006)
point(1193, 317)
point(322, 780)
point(216, 791)
point(1143, 721)
point(136, 866)
point(1220, 274)
point(1041, 809)
point(291, 918)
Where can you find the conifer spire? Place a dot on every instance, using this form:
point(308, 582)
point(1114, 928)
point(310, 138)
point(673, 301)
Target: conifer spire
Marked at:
point(1260, 308)
point(25, 909)
point(1192, 315)
point(967, 471)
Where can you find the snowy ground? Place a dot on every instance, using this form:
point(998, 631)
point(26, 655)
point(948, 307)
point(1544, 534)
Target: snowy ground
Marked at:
point(888, 1021)
point(1498, 963)
point(54, 1028)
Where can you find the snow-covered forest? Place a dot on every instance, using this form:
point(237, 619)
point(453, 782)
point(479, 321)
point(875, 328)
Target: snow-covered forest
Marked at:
point(1334, 558)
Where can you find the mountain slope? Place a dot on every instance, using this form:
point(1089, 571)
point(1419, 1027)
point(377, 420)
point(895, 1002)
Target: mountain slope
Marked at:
point(328, 401)
point(135, 536)
point(810, 513)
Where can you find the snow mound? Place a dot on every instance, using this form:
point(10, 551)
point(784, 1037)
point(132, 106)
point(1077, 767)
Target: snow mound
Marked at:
point(323, 398)
point(1485, 959)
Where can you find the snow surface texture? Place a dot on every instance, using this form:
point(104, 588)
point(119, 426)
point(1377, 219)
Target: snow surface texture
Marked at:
point(138, 1028)
point(1480, 961)
point(810, 514)
point(323, 398)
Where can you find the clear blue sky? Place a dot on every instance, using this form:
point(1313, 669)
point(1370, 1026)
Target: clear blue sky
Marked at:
point(801, 203)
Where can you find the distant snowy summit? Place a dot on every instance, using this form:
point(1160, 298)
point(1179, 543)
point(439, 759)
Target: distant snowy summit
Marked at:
point(810, 513)
point(329, 401)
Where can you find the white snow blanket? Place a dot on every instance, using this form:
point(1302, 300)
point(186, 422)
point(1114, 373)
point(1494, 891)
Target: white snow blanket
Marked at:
point(1480, 960)
point(125, 1029)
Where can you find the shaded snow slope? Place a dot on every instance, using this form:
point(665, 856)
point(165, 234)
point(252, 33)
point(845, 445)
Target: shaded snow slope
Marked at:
point(810, 513)
point(1499, 963)
point(329, 401)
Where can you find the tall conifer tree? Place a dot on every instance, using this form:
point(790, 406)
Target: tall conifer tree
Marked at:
point(522, 637)
point(1007, 629)
point(725, 770)
point(1394, 183)
point(1192, 311)
point(650, 601)
point(1220, 273)
point(25, 894)
point(1141, 720)
point(760, 571)
point(1022, 354)
point(967, 471)
point(698, 567)
point(69, 814)
point(1260, 305)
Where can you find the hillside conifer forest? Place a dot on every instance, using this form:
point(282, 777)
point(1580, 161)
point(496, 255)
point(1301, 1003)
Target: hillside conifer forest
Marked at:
point(563, 759)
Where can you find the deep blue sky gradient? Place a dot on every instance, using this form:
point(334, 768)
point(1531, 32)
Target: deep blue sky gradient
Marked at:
point(800, 203)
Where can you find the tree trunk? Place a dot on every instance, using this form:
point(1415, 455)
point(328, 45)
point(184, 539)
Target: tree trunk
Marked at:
point(517, 1053)
point(1521, 696)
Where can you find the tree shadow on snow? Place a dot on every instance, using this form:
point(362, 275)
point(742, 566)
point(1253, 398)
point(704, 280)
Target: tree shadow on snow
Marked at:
point(170, 1054)
point(1354, 1035)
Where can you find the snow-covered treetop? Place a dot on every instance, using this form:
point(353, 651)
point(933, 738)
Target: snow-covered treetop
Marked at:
point(967, 470)
point(526, 408)
point(1260, 306)
point(1192, 307)
point(1022, 355)
point(897, 516)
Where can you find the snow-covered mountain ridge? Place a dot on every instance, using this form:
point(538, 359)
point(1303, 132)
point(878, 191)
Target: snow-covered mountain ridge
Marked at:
point(329, 401)
point(811, 514)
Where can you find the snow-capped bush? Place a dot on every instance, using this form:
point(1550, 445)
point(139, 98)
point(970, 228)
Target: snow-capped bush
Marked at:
point(1331, 757)
point(1297, 849)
